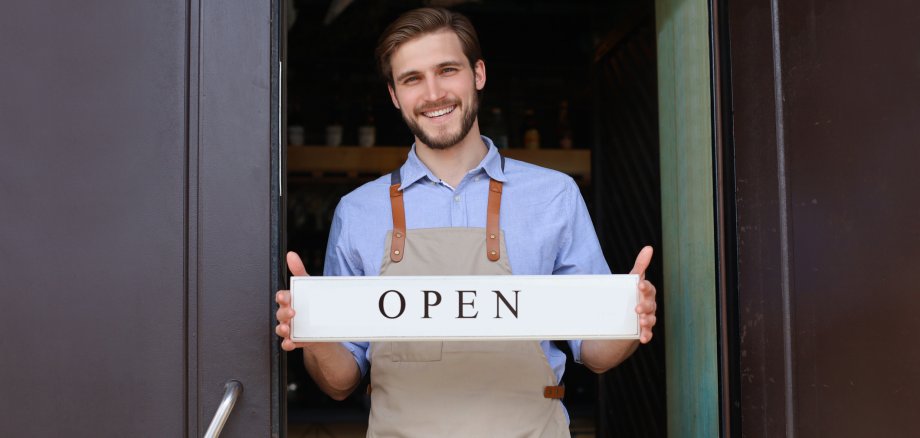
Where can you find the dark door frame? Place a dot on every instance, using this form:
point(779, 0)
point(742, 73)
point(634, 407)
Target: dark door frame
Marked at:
point(235, 213)
point(687, 138)
point(278, 208)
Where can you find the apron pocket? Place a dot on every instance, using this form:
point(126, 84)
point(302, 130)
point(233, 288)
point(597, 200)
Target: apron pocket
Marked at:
point(426, 351)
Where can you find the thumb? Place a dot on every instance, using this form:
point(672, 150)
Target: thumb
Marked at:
point(642, 262)
point(295, 264)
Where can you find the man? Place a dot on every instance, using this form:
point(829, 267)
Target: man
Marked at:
point(456, 207)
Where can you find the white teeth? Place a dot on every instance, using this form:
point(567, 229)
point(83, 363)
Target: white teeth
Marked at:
point(440, 112)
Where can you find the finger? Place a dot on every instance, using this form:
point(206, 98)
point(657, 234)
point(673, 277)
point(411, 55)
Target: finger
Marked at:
point(646, 337)
point(288, 345)
point(283, 330)
point(646, 307)
point(647, 289)
point(642, 262)
point(646, 304)
point(295, 264)
point(284, 314)
point(283, 297)
point(648, 321)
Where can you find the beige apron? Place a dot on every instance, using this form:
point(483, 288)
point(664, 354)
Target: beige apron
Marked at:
point(459, 388)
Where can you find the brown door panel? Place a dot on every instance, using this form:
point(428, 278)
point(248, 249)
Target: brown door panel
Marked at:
point(136, 212)
point(826, 100)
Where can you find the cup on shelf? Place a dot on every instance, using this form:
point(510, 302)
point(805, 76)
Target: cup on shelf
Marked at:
point(334, 135)
point(367, 136)
point(295, 135)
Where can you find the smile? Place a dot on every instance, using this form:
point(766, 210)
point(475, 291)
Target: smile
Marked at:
point(439, 113)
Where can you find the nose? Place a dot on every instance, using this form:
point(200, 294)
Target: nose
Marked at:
point(434, 90)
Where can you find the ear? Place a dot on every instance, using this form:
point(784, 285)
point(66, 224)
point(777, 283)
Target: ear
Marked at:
point(479, 74)
point(393, 96)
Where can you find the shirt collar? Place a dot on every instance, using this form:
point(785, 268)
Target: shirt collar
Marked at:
point(414, 169)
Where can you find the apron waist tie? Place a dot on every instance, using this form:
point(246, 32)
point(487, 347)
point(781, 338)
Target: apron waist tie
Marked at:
point(554, 392)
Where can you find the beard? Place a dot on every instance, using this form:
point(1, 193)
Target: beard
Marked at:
point(444, 140)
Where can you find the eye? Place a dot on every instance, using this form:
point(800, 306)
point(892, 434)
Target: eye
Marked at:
point(449, 70)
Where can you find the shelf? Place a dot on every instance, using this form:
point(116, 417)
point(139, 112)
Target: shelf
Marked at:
point(352, 162)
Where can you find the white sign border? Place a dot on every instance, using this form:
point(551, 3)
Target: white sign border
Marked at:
point(293, 279)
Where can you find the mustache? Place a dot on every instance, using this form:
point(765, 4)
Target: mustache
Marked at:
point(438, 104)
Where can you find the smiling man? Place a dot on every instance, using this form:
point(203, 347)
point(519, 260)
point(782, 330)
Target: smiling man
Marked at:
point(456, 207)
point(435, 104)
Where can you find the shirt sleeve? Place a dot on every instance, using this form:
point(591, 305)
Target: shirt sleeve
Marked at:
point(359, 352)
point(579, 250)
point(575, 345)
point(340, 255)
point(341, 261)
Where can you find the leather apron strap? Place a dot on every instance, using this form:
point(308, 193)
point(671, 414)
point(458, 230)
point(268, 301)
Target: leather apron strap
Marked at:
point(398, 245)
point(492, 214)
point(398, 208)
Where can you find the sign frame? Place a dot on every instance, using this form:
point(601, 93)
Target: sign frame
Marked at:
point(392, 312)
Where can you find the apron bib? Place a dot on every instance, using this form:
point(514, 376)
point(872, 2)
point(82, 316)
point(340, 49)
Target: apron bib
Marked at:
point(458, 388)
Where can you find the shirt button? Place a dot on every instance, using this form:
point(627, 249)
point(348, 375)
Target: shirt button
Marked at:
point(457, 198)
point(476, 179)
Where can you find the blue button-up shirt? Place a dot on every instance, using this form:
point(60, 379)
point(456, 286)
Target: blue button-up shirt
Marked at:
point(546, 224)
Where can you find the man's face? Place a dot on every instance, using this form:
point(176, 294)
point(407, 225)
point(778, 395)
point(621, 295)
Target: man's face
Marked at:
point(435, 88)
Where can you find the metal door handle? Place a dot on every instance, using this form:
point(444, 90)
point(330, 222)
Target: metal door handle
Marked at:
point(232, 390)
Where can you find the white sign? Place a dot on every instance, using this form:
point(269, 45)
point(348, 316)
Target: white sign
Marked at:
point(498, 307)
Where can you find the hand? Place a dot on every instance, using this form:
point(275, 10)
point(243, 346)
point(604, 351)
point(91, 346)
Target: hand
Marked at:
point(647, 306)
point(331, 365)
point(285, 313)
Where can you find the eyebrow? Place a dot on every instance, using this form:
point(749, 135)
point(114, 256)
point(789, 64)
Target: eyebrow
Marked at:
point(439, 66)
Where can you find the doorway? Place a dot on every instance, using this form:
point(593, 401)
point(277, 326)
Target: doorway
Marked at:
point(581, 73)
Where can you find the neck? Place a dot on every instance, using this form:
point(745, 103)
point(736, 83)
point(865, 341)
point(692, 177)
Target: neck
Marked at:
point(453, 163)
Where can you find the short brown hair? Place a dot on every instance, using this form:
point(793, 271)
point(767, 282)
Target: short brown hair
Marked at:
point(423, 21)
